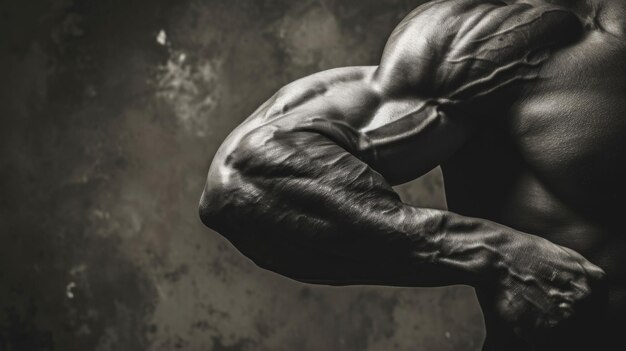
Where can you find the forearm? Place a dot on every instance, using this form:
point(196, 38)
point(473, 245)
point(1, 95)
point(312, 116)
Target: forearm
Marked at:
point(300, 205)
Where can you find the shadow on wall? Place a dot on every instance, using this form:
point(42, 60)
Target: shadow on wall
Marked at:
point(111, 112)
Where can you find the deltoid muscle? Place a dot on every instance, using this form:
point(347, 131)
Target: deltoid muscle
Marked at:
point(455, 52)
point(303, 186)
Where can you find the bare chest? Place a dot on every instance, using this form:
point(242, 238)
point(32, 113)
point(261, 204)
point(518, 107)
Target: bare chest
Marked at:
point(570, 126)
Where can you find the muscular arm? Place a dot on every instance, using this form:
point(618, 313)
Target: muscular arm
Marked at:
point(302, 187)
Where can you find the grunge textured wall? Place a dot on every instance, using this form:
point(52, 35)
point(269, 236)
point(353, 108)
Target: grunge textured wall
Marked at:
point(110, 112)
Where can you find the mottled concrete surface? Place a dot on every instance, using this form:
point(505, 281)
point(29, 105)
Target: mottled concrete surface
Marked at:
point(110, 114)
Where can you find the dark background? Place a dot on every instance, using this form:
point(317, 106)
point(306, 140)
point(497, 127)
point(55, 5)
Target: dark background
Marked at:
point(110, 113)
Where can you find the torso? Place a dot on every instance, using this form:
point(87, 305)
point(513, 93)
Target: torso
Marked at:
point(554, 164)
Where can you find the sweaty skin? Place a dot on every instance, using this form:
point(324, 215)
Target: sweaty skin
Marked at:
point(523, 104)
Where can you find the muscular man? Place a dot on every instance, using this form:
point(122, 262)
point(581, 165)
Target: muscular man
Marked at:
point(522, 103)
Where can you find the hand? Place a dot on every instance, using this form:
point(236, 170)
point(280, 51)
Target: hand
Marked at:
point(544, 287)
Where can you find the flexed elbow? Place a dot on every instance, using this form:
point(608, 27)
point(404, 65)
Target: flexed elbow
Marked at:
point(229, 191)
point(262, 195)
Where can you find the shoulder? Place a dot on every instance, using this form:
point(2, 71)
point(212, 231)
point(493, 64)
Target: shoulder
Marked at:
point(455, 49)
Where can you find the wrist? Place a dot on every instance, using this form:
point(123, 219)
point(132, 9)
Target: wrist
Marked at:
point(482, 250)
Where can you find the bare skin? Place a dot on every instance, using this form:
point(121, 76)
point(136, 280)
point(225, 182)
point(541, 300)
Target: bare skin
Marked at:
point(522, 104)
